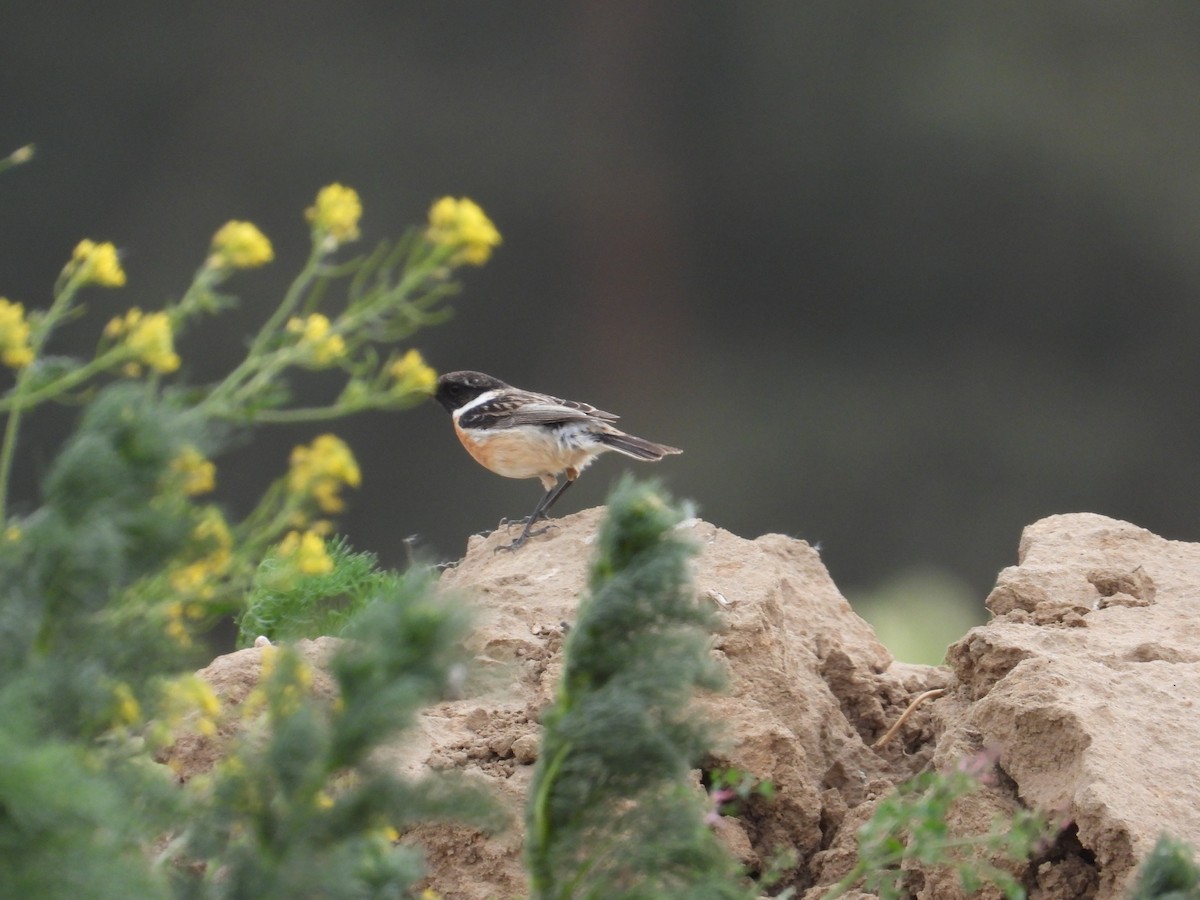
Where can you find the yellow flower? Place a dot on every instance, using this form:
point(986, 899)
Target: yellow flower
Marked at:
point(284, 678)
point(240, 245)
point(117, 326)
point(154, 343)
point(412, 375)
point(176, 627)
point(189, 579)
point(323, 348)
point(336, 213)
point(191, 697)
point(94, 263)
point(126, 710)
point(462, 224)
point(15, 351)
point(208, 560)
point(213, 533)
point(321, 469)
point(266, 661)
point(209, 703)
point(306, 552)
point(148, 336)
point(198, 475)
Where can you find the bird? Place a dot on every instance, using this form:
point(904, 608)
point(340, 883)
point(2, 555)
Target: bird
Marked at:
point(522, 434)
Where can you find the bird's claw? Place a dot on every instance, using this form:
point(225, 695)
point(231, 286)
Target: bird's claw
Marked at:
point(507, 524)
point(525, 535)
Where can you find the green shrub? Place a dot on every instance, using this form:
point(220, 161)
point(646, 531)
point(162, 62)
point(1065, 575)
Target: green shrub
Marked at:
point(1169, 872)
point(611, 813)
point(912, 825)
point(283, 607)
point(109, 583)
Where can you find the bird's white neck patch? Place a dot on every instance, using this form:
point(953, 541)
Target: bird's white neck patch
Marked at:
point(478, 401)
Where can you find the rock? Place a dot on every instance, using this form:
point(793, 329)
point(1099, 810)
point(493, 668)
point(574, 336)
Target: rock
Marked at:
point(1086, 683)
point(525, 749)
point(232, 677)
point(1099, 720)
point(810, 686)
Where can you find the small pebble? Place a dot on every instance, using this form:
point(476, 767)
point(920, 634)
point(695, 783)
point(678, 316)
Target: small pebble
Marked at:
point(525, 749)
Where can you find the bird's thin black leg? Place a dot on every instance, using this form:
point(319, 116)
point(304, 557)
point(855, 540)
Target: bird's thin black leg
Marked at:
point(539, 512)
point(550, 499)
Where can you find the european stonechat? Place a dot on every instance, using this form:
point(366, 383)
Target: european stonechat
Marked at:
point(520, 434)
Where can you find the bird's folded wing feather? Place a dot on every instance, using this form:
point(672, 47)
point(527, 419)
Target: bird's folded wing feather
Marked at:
point(514, 409)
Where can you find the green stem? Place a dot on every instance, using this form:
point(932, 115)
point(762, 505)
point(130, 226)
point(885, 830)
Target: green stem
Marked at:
point(293, 296)
point(6, 458)
point(541, 821)
point(302, 414)
point(892, 859)
point(254, 373)
point(600, 854)
point(251, 366)
point(20, 400)
point(64, 293)
point(267, 522)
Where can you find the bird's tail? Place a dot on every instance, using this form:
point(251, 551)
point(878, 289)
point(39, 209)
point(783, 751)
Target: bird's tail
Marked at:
point(638, 448)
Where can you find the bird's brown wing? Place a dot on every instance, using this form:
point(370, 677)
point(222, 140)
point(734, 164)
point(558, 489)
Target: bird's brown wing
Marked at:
point(512, 409)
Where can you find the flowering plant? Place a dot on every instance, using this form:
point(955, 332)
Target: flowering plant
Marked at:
point(114, 577)
point(387, 295)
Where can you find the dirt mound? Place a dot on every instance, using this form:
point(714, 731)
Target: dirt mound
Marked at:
point(809, 683)
point(1088, 681)
point(1085, 683)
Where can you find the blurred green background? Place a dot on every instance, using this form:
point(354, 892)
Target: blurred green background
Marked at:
point(900, 278)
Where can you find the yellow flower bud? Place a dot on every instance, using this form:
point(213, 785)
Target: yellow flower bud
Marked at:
point(126, 710)
point(15, 351)
point(240, 245)
point(148, 336)
point(99, 264)
point(336, 213)
point(198, 474)
point(462, 224)
point(323, 348)
point(412, 375)
point(319, 471)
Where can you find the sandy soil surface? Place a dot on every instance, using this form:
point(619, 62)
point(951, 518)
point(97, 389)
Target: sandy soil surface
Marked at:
point(1085, 682)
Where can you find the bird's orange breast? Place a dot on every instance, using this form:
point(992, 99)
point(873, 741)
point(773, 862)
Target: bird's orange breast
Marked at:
point(522, 452)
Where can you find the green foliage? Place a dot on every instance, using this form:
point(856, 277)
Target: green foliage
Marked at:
point(302, 806)
point(610, 812)
point(389, 661)
point(73, 819)
point(1169, 872)
point(108, 582)
point(103, 526)
point(67, 780)
point(281, 606)
point(911, 826)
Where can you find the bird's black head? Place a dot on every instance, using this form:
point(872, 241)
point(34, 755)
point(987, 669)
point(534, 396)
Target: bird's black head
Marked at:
point(456, 389)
